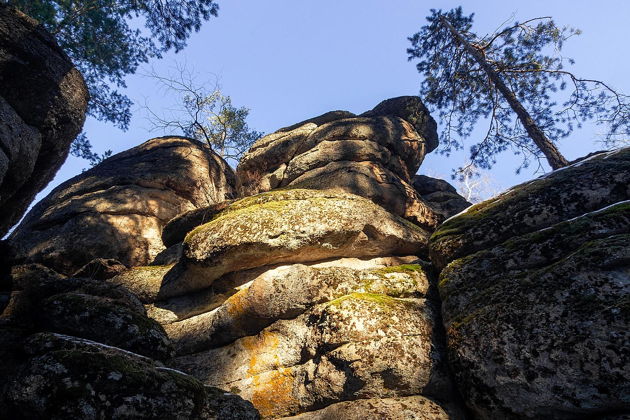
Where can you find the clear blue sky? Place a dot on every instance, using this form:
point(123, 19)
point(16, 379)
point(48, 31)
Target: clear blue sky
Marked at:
point(290, 60)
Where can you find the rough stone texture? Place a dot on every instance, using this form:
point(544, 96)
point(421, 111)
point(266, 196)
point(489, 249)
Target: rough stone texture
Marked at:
point(286, 292)
point(66, 377)
point(373, 156)
point(405, 408)
point(411, 109)
point(44, 300)
point(118, 208)
point(43, 100)
point(536, 312)
point(588, 185)
point(441, 196)
point(361, 345)
point(178, 227)
point(291, 226)
point(100, 269)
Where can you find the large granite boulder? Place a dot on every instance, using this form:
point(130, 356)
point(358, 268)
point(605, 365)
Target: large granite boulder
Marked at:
point(374, 155)
point(345, 334)
point(43, 300)
point(118, 208)
point(535, 291)
point(298, 299)
point(602, 179)
point(43, 100)
point(289, 226)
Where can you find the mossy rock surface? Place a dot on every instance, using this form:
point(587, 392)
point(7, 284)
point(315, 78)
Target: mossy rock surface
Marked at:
point(586, 186)
point(286, 292)
point(292, 226)
point(67, 377)
point(356, 346)
point(537, 326)
point(104, 320)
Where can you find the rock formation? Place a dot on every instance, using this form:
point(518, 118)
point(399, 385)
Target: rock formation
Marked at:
point(43, 100)
point(374, 155)
point(441, 196)
point(315, 295)
point(118, 208)
point(535, 295)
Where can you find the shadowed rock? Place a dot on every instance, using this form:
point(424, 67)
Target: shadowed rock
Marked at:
point(118, 208)
point(534, 298)
point(43, 100)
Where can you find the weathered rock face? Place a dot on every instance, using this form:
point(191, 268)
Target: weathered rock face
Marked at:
point(287, 299)
point(118, 208)
point(441, 196)
point(535, 298)
point(67, 377)
point(43, 100)
point(589, 185)
point(107, 368)
point(374, 156)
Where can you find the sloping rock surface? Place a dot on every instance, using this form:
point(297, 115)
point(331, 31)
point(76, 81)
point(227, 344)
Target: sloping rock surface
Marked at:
point(534, 299)
point(43, 100)
point(374, 156)
point(67, 377)
point(118, 208)
point(600, 180)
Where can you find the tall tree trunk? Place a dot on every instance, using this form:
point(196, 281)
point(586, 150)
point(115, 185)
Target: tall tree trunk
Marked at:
point(551, 152)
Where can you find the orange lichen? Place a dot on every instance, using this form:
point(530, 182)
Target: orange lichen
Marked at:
point(273, 393)
point(237, 304)
point(261, 350)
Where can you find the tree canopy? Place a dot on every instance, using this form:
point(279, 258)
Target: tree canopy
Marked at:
point(203, 114)
point(109, 39)
point(514, 78)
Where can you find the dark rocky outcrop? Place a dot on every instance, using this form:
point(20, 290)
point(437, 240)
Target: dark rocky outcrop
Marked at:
point(66, 377)
point(588, 185)
point(374, 156)
point(441, 196)
point(43, 100)
point(535, 295)
point(118, 208)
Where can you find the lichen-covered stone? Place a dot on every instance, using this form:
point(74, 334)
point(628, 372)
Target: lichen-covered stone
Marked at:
point(43, 300)
point(286, 292)
point(590, 184)
point(104, 320)
point(43, 101)
point(537, 326)
point(291, 226)
point(403, 408)
point(73, 378)
point(373, 156)
point(361, 345)
point(118, 208)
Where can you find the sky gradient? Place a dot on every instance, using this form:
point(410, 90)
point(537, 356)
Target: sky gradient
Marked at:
point(291, 60)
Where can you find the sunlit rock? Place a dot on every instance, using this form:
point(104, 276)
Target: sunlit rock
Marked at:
point(118, 208)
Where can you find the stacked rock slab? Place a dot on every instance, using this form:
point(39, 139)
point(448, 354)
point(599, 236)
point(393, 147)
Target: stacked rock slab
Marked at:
point(374, 155)
point(82, 348)
point(43, 100)
point(535, 295)
point(299, 300)
point(117, 209)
